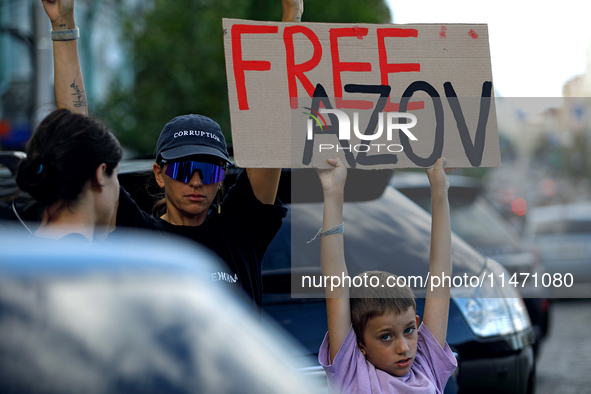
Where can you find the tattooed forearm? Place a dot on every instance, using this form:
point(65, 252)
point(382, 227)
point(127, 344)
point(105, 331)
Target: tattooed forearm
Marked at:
point(80, 97)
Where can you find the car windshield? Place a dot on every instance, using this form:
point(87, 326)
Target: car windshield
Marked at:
point(389, 233)
point(479, 225)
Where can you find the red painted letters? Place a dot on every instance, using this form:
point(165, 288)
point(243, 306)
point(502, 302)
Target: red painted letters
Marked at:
point(242, 65)
point(297, 70)
point(388, 68)
point(338, 67)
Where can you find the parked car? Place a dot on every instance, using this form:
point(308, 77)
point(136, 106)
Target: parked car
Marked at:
point(130, 315)
point(563, 236)
point(477, 222)
point(489, 329)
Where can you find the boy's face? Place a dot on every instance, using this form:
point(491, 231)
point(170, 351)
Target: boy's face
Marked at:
point(390, 341)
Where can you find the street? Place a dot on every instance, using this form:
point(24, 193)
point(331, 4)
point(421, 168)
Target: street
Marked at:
point(564, 364)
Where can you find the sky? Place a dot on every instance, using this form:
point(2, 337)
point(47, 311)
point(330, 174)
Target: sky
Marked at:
point(535, 46)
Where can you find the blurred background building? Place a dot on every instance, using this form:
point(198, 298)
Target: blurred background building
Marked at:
point(25, 69)
point(545, 148)
point(26, 64)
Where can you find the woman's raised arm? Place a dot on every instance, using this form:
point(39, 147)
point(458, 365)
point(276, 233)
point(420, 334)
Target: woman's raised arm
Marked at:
point(68, 82)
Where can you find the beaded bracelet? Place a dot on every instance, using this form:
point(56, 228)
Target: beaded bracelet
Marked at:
point(65, 35)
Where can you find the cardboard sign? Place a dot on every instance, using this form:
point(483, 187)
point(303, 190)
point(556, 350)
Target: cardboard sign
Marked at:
point(303, 92)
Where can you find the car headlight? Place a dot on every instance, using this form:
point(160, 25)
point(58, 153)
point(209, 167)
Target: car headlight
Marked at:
point(519, 314)
point(491, 309)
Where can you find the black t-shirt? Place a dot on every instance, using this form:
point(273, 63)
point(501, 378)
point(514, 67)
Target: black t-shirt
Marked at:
point(240, 234)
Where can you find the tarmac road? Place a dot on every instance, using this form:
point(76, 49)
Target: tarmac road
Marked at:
point(564, 363)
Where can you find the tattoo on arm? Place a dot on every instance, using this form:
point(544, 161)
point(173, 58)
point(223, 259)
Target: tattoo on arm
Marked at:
point(80, 100)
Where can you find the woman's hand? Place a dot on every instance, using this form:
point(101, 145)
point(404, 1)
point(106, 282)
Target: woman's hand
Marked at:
point(60, 13)
point(333, 179)
point(292, 10)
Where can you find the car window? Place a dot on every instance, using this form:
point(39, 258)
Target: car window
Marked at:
point(4, 172)
point(479, 225)
point(7, 183)
point(472, 217)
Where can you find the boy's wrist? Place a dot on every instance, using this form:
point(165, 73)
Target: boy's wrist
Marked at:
point(333, 194)
point(439, 194)
point(441, 202)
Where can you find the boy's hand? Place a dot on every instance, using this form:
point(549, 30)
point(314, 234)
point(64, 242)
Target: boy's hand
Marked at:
point(333, 179)
point(60, 13)
point(292, 10)
point(437, 175)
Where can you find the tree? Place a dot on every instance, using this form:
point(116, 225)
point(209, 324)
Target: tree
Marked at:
point(177, 56)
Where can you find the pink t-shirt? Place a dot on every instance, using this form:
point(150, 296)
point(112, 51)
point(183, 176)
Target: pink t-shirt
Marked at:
point(351, 373)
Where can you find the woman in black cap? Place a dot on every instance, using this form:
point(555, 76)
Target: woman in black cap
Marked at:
point(191, 159)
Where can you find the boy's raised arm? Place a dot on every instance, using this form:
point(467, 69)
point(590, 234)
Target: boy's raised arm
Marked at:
point(437, 302)
point(332, 255)
point(68, 83)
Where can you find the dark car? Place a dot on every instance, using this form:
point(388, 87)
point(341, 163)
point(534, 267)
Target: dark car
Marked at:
point(489, 329)
point(477, 222)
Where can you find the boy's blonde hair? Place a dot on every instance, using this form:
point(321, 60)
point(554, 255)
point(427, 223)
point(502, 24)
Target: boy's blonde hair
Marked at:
point(374, 300)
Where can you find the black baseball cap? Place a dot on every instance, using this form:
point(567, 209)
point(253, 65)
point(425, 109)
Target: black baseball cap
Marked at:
point(190, 135)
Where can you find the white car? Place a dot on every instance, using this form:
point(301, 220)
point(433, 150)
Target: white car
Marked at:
point(563, 236)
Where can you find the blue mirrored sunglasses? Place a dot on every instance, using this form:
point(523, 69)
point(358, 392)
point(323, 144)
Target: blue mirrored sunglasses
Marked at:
point(183, 171)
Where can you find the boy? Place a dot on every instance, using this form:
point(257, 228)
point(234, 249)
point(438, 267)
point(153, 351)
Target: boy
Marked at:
point(374, 343)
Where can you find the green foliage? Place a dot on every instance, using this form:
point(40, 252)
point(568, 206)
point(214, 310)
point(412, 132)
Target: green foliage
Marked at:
point(177, 56)
point(346, 11)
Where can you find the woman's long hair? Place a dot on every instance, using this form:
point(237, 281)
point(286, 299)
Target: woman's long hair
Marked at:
point(63, 154)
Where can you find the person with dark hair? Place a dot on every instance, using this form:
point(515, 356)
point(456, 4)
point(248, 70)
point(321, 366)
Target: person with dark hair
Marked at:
point(71, 170)
point(190, 166)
